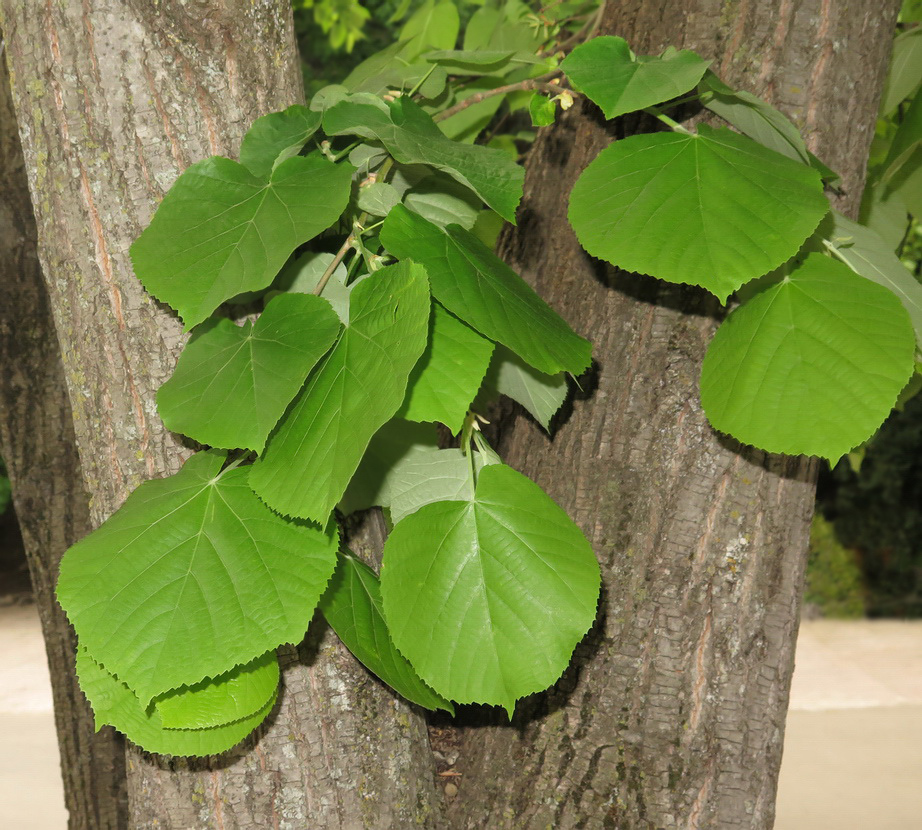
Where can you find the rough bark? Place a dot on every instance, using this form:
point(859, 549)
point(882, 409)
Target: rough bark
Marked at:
point(37, 443)
point(114, 98)
point(673, 715)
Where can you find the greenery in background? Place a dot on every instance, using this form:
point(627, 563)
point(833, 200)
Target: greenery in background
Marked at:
point(835, 582)
point(877, 512)
point(873, 498)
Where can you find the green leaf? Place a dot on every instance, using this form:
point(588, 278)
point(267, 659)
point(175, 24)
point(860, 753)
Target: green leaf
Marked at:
point(753, 117)
point(374, 73)
point(395, 444)
point(235, 695)
point(812, 365)
point(905, 73)
point(432, 26)
point(191, 575)
point(233, 383)
point(713, 209)
point(114, 703)
point(885, 214)
point(870, 256)
point(445, 380)
point(907, 140)
point(542, 110)
point(607, 72)
point(411, 137)
point(483, 61)
point(404, 469)
point(321, 439)
point(481, 28)
point(541, 394)
point(477, 286)
point(352, 607)
point(439, 198)
point(276, 137)
point(301, 275)
point(378, 198)
point(221, 231)
point(488, 598)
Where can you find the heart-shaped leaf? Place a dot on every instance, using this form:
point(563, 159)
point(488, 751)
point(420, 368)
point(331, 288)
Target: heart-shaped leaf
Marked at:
point(606, 71)
point(221, 230)
point(115, 704)
point(233, 383)
point(321, 439)
point(714, 209)
point(811, 365)
point(191, 575)
point(487, 598)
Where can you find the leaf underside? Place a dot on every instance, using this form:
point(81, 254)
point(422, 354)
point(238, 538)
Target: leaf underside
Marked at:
point(352, 607)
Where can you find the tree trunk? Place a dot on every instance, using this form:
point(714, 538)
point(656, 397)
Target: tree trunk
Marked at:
point(673, 715)
point(37, 443)
point(114, 99)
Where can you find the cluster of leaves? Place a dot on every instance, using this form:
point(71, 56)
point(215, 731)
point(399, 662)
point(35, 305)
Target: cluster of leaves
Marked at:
point(356, 221)
point(349, 221)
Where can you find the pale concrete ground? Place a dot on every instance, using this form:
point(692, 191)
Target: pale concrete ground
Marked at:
point(853, 744)
point(852, 760)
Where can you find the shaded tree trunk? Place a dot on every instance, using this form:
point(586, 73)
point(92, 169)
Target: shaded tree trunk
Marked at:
point(37, 443)
point(673, 715)
point(114, 98)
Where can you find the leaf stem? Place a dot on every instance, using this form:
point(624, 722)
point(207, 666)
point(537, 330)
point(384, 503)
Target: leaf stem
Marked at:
point(340, 254)
point(590, 27)
point(421, 81)
point(539, 83)
point(673, 125)
point(358, 227)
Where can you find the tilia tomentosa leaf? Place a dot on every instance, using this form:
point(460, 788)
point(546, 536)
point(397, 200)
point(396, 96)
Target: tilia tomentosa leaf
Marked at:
point(115, 704)
point(320, 441)
point(191, 576)
point(488, 597)
point(221, 230)
point(352, 607)
point(714, 209)
point(233, 383)
point(477, 286)
point(811, 365)
point(608, 73)
point(411, 137)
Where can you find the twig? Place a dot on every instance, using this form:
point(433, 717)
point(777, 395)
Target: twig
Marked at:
point(539, 83)
point(590, 27)
point(340, 255)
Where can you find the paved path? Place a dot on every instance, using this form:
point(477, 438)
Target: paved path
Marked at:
point(853, 743)
point(852, 759)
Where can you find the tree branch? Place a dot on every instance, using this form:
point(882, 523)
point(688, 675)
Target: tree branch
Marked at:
point(539, 83)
